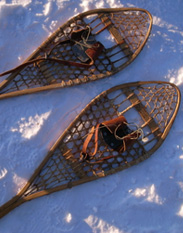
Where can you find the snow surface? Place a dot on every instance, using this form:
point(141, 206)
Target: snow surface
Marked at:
point(144, 198)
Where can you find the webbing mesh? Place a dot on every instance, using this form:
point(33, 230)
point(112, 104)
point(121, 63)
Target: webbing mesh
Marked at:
point(150, 105)
point(122, 32)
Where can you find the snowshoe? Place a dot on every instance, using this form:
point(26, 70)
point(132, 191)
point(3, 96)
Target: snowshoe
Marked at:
point(90, 46)
point(119, 128)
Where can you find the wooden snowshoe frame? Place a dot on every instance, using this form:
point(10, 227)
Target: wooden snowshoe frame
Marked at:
point(126, 31)
point(151, 105)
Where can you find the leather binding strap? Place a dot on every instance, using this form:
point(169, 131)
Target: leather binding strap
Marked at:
point(92, 52)
point(116, 135)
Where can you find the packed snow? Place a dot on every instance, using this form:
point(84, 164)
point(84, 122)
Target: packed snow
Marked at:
point(146, 198)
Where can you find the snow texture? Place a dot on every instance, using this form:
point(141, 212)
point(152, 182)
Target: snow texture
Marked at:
point(146, 198)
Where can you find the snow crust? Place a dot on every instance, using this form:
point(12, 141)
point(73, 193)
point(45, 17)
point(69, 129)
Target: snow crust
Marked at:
point(147, 198)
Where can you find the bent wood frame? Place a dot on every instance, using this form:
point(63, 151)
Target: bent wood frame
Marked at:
point(35, 54)
point(136, 103)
